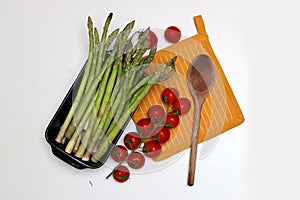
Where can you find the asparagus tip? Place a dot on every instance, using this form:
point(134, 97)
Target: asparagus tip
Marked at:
point(96, 34)
point(173, 62)
point(175, 58)
point(143, 34)
point(90, 22)
point(129, 26)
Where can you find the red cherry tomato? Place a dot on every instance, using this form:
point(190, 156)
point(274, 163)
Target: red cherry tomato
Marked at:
point(132, 140)
point(119, 153)
point(136, 160)
point(169, 95)
point(121, 174)
point(152, 149)
point(182, 106)
point(152, 38)
point(162, 135)
point(172, 120)
point(144, 127)
point(156, 113)
point(172, 34)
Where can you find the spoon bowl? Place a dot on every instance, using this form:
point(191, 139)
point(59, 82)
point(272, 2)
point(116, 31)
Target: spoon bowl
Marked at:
point(200, 80)
point(201, 75)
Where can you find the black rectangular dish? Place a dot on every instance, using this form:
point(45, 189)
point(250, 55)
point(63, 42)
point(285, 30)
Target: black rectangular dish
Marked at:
point(54, 127)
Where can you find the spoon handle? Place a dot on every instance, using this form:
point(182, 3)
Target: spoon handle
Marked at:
point(194, 145)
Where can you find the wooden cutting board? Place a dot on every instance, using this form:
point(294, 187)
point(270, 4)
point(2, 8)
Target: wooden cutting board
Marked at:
point(220, 111)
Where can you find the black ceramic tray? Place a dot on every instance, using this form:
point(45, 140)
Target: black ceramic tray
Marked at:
point(54, 127)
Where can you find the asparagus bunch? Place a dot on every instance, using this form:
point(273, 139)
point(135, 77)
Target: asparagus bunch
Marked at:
point(113, 84)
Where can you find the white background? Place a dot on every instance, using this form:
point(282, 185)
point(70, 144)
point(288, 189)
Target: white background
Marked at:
point(43, 46)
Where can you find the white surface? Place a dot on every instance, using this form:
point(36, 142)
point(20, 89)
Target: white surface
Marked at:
point(44, 45)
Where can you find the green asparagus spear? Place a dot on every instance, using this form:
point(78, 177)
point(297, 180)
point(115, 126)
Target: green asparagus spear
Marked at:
point(82, 85)
point(95, 58)
point(103, 47)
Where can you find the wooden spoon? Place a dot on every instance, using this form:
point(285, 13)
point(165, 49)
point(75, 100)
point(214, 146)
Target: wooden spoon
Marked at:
point(200, 79)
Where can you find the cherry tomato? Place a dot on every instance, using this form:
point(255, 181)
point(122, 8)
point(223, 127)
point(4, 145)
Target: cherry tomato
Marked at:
point(121, 174)
point(136, 160)
point(162, 135)
point(172, 120)
point(152, 38)
point(132, 140)
point(172, 34)
point(119, 153)
point(156, 113)
point(182, 106)
point(169, 95)
point(144, 127)
point(152, 149)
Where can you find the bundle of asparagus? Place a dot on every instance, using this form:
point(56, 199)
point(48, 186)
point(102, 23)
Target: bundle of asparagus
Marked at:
point(113, 84)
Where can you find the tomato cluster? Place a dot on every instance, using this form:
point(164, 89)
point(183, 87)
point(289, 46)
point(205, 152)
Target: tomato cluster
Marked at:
point(152, 131)
point(180, 106)
point(134, 159)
